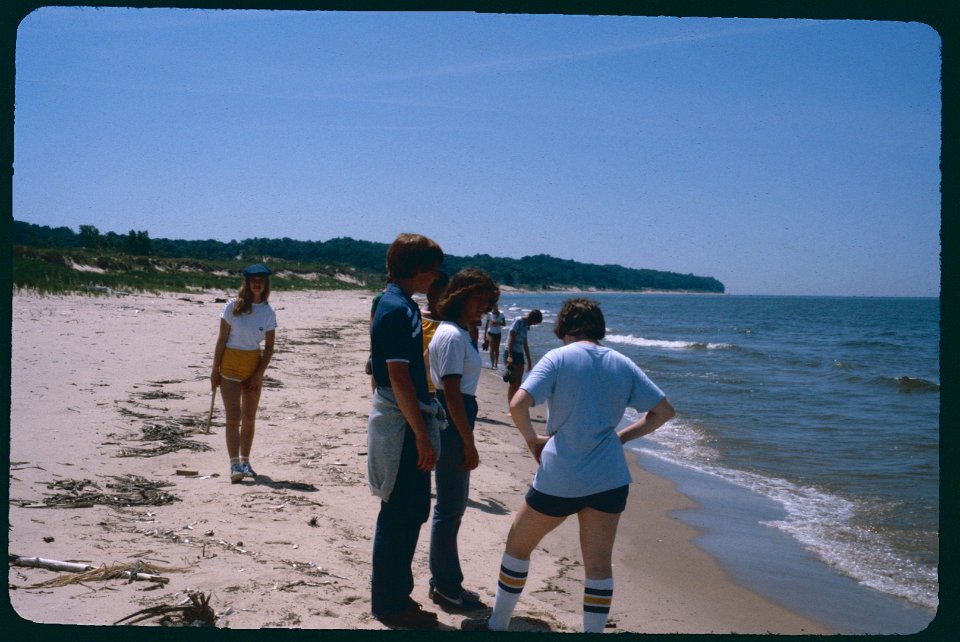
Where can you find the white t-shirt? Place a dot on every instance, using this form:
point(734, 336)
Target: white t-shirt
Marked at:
point(587, 387)
point(452, 353)
point(247, 331)
point(494, 322)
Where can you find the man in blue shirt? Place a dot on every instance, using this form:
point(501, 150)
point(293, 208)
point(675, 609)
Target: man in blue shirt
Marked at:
point(401, 432)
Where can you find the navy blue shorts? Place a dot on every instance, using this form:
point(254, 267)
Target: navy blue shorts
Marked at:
point(609, 501)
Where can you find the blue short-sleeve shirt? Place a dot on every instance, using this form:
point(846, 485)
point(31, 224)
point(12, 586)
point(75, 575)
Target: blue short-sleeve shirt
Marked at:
point(586, 387)
point(396, 335)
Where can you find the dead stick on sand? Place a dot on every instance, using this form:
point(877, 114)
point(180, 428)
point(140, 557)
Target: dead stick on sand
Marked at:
point(213, 399)
point(50, 565)
point(85, 571)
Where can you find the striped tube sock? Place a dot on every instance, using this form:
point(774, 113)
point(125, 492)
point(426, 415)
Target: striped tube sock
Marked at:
point(513, 577)
point(597, 595)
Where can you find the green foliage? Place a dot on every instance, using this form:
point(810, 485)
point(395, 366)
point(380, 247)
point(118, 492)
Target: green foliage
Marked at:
point(152, 263)
point(51, 271)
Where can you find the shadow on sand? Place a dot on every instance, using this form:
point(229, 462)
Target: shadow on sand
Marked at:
point(282, 484)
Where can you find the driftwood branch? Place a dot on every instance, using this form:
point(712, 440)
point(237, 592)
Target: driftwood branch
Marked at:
point(87, 572)
point(50, 565)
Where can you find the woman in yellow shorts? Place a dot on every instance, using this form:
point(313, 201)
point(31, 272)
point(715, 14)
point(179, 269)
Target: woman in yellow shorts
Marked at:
point(238, 365)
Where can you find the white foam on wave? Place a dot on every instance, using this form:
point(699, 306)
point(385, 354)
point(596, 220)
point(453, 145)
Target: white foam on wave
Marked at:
point(629, 339)
point(820, 521)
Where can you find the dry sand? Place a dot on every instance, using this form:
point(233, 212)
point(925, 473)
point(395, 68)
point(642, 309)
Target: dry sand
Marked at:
point(291, 550)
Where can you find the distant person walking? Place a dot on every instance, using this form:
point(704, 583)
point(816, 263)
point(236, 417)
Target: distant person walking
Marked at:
point(238, 364)
point(518, 350)
point(455, 368)
point(493, 325)
point(403, 431)
point(583, 468)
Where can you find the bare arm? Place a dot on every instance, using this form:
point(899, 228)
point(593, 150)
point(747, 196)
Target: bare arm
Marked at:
point(218, 353)
point(458, 415)
point(520, 412)
point(406, 396)
point(526, 351)
point(650, 421)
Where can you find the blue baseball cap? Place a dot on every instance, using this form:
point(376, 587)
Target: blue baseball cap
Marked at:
point(257, 269)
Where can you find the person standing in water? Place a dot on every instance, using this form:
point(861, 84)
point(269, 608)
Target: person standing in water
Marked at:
point(238, 364)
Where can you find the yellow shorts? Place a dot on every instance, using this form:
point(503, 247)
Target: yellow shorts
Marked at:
point(238, 365)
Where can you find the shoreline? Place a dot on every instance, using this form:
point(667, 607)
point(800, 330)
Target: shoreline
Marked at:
point(732, 524)
point(292, 550)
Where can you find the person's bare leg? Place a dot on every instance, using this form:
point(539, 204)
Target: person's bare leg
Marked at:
point(250, 402)
point(230, 392)
point(598, 531)
point(514, 384)
point(528, 528)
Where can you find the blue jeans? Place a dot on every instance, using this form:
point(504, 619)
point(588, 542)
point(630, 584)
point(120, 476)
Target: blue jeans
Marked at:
point(398, 528)
point(453, 488)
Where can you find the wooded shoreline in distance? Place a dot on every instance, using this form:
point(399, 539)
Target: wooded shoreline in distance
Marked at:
point(59, 259)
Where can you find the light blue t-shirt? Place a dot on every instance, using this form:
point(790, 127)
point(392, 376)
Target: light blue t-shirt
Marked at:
point(520, 328)
point(587, 387)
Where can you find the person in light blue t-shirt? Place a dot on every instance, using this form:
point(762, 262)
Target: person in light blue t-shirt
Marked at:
point(583, 469)
point(518, 350)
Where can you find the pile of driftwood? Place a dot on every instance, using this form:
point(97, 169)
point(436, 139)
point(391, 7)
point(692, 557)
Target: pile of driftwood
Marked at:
point(79, 573)
point(159, 394)
point(130, 490)
point(195, 610)
point(172, 437)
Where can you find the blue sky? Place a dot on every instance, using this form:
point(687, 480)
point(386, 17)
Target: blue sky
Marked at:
point(779, 156)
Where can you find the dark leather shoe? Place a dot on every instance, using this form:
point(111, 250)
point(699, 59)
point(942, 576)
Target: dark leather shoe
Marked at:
point(411, 617)
point(464, 603)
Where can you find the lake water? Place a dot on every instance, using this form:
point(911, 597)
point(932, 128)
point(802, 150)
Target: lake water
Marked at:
point(820, 415)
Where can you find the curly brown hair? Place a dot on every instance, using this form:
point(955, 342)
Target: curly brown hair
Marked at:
point(580, 318)
point(463, 285)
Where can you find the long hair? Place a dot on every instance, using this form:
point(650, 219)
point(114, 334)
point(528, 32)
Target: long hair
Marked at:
point(244, 302)
point(463, 285)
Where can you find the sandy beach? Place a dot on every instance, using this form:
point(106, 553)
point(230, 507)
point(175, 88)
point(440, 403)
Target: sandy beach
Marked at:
point(94, 377)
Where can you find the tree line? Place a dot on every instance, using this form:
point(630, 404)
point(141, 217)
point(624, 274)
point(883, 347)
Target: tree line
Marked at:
point(537, 272)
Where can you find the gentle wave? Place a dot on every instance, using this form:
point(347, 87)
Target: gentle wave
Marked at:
point(819, 520)
point(629, 339)
point(910, 384)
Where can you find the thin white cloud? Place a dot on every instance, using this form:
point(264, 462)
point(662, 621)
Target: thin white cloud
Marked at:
point(547, 59)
